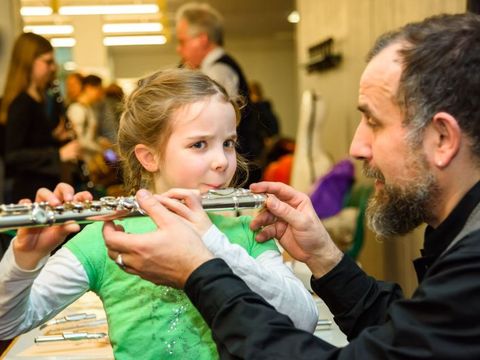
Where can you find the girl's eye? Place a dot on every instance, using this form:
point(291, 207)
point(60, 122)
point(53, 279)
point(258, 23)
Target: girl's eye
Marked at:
point(199, 145)
point(230, 143)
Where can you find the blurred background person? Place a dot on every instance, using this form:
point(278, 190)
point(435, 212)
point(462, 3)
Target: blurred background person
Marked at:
point(269, 120)
point(73, 87)
point(110, 110)
point(33, 155)
point(200, 36)
point(82, 116)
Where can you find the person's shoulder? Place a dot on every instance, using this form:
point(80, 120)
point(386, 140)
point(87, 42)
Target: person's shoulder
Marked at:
point(23, 99)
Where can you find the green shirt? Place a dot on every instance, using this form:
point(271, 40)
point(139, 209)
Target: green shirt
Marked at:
point(145, 320)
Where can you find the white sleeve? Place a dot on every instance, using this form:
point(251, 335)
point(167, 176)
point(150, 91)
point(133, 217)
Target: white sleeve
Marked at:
point(268, 276)
point(29, 298)
point(225, 76)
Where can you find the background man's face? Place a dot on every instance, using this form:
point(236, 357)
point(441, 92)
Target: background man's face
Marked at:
point(190, 48)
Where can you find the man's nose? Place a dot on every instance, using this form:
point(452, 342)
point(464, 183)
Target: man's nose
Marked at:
point(360, 147)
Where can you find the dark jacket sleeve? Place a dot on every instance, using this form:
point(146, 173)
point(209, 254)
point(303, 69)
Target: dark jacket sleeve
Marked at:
point(441, 321)
point(356, 300)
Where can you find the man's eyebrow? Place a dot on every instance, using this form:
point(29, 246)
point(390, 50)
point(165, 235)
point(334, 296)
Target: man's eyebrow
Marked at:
point(364, 109)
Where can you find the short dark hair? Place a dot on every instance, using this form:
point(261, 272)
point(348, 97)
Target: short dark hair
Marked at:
point(441, 71)
point(92, 80)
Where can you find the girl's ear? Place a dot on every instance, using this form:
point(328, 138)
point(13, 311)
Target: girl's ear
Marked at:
point(146, 157)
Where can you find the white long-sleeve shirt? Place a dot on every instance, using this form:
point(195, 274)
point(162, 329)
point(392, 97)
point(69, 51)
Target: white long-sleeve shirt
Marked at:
point(30, 298)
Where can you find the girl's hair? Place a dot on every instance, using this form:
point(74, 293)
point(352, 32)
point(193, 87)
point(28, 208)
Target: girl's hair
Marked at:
point(27, 48)
point(148, 113)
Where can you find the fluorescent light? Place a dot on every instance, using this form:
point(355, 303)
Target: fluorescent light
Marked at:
point(132, 27)
point(294, 17)
point(36, 10)
point(49, 29)
point(108, 9)
point(63, 42)
point(134, 40)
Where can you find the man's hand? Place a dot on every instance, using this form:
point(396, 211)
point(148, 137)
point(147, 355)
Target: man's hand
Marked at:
point(290, 218)
point(187, 204)
point(33, 244)
point(166, 256)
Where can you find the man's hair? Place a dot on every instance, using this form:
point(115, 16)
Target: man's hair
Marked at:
point(441, 72)
point(202, 18)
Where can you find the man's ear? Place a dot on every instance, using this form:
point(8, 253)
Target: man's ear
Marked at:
point(146, 157)
point(447, 138)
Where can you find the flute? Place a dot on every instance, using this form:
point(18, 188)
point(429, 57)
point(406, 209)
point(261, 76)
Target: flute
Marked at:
point(37, 214)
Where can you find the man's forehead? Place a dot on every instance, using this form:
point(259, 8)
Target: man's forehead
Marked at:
point(383, 71)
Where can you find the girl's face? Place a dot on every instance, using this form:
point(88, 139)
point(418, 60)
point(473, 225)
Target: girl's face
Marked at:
point(200, 152)
point(43, 70)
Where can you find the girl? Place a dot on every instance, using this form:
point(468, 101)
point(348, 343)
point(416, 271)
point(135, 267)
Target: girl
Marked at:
point(32, 155)
point(178, 130)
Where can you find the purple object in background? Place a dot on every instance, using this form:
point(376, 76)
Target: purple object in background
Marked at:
point(330, 190)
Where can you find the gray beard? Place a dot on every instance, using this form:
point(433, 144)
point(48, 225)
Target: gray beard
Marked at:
point(396, 210)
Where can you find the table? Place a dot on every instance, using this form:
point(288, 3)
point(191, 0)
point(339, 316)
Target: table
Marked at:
point(24, 347)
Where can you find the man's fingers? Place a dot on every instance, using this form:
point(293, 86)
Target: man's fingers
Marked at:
point(282, 210)
point(115, 238)
point(159, 214)
point(280, 190)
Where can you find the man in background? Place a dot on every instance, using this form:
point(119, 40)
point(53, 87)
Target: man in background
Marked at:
point(199, 30)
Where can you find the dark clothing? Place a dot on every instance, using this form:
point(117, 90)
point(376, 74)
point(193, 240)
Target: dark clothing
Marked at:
point(31, 153)
point(250, 138)
point(440, 321)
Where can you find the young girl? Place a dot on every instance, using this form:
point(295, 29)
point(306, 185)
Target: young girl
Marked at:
point(178, 130)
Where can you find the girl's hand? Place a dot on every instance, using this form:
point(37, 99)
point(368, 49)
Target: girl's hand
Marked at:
point(33, 244)
point(187, 204)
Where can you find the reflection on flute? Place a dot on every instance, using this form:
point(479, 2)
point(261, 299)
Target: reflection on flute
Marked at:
point(108, 208)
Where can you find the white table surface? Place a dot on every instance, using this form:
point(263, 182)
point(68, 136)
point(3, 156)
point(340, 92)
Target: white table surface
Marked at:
point(24, 343)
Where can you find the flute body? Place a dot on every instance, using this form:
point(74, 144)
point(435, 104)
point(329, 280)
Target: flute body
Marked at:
point(15, 216)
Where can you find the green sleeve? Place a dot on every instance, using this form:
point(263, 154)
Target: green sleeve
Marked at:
point(256, 248)
point(89, 248)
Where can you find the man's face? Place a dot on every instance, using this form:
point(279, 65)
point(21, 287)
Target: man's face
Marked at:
point(405, 185)
point(192, 49)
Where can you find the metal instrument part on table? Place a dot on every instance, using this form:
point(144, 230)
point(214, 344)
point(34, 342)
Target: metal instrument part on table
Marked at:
point(37, 214)
point(69, 318)
point(67, 336)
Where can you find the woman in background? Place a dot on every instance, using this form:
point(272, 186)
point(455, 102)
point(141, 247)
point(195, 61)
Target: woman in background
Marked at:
point(32, 154)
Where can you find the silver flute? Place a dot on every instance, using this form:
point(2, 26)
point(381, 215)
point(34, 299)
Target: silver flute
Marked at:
point(37, 214)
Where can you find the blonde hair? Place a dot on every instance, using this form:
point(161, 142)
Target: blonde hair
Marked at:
point(27, 48)
point(148, 113)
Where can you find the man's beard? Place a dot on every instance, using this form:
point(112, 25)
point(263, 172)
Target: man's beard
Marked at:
point(397, 210)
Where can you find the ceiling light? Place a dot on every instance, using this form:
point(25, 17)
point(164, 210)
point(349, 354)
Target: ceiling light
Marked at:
point(108, 9)
point(49, 29)
point(63, 42)
point(134, 27)
point(294, 17)
point(134, 40)
point(36, 11)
